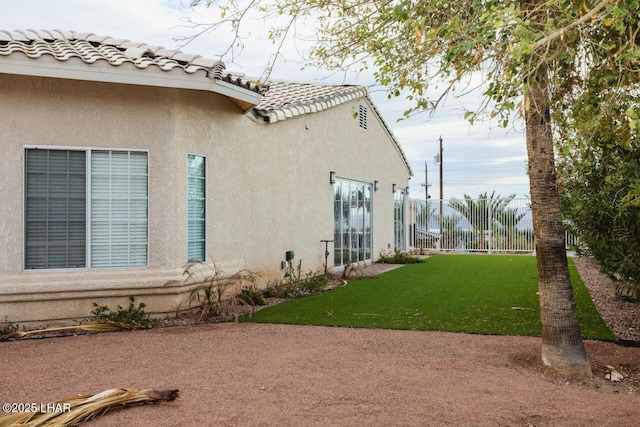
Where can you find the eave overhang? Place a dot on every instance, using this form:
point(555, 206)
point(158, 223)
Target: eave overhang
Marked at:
point(75, 69)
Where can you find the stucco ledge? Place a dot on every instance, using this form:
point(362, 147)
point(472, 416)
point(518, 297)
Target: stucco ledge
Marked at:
point(47, 296)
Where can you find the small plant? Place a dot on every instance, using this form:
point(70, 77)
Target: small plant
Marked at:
point(131, 315)
point(312, 283)
point(252, 296)
point(7, 327)
point(215, 292)
point(398, 257)
point(278, 289)
point(293, 287)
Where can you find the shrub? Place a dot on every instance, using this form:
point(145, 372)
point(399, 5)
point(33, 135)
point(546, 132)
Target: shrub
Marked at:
point(312, 283)
point(398, 258)
point(131, 315)
point(278, 289)
point(215, 292)
point(598, 172)
point(293, 288)
point(252, 296)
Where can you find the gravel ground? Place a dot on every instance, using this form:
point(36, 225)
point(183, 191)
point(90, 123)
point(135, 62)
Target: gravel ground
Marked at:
point(622, 317)
point(233, 374)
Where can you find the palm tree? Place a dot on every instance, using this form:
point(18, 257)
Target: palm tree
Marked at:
point(451, 234)
point(424, 213)
point(483, 213)
point(509, 219)
point(563, 351)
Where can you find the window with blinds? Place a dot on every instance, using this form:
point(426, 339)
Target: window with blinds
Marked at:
point(62, 230)
point(118, 209)
point(55, 217)
point(196, 208)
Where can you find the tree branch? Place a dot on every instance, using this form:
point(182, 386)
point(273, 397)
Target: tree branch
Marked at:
point(586, 17)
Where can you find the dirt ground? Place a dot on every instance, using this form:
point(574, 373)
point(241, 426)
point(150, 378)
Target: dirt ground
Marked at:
point(233, 374)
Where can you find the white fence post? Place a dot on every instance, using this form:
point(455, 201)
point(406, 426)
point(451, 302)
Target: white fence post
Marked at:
point(507, 228)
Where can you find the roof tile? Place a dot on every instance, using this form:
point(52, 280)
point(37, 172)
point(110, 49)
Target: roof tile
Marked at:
point(310, 97)
point(204, 62)
point(137, 52)
point(114, 42)
point(90, 48)
point(31, 35)
point(18, 36)
point(184, 57)
point(128, 45)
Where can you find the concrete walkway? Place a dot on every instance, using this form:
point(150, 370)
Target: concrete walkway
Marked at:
point(369, 270)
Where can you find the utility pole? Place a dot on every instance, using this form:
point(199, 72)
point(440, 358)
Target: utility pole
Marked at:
point(422, 239)
point(441, 195)
point(439, 160)
point(426, 184)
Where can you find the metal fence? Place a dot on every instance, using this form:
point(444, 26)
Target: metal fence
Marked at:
point(500, 224)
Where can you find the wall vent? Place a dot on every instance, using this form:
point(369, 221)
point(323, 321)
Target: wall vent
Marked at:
point(362, 116)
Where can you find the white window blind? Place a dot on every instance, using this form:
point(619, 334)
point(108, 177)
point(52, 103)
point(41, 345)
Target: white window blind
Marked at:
point(119, 206)
point(196, 208)
point(56, 208)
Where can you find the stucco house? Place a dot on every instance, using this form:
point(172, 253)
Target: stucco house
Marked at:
point(121, 162)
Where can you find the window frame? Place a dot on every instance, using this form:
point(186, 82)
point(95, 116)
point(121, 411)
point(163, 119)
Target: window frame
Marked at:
point(346, 229)
point(204, 200)
point(88, 208)
point(400, 224)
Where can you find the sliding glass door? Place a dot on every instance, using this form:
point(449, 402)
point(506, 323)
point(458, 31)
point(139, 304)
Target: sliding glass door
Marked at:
point(352, 222)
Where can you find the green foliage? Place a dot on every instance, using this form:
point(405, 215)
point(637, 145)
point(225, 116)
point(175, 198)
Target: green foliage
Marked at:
point(398, 257)
point(487, 294)
point(423, 50)
point(292, 288)
point(130, 316)
point(599, 176)
point(490, 212)
point(252, 295)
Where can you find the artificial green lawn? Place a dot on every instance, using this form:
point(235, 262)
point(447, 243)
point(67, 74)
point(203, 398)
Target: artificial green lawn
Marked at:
point(456, 293)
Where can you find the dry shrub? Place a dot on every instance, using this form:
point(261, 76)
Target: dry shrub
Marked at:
point(216, 291)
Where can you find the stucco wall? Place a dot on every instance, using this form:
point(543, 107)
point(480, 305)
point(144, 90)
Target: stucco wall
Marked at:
point(268, 187)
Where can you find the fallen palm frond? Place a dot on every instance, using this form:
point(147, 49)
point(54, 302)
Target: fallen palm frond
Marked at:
point(93, 326)
point(75, 410)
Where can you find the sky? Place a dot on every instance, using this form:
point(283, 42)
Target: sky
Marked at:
point(476, 159)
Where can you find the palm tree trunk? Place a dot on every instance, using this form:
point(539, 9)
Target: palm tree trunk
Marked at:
point(563, 351)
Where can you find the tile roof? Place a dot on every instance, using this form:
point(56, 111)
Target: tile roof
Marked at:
point(283, 100)
point(91, 48)
point(279, 101)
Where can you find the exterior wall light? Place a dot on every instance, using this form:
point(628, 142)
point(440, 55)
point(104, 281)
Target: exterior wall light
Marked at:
point(332, 177)
point(376, 185)
point(394, 188)
point(407, 190)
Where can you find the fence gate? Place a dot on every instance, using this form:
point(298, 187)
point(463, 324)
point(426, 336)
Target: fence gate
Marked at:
point(497, 224)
